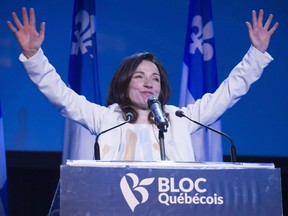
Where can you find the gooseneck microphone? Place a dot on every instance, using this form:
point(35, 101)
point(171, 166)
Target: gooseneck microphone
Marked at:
point(128, 118)
point(180, 114)
point(159, 118)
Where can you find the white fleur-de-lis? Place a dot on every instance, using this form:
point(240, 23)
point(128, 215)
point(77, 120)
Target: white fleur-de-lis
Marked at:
point(85, 28)
point(199, 36)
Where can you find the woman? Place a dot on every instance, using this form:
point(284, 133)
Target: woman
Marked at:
point(137, 78)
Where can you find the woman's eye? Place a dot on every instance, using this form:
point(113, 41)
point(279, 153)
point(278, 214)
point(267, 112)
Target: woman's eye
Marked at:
point(137, 76)
point(156, 79)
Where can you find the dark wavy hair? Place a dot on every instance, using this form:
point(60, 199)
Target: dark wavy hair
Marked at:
point(118, 89)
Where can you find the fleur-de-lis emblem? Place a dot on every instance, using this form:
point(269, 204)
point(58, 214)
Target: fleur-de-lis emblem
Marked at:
point(85, 28)
point(199, 37)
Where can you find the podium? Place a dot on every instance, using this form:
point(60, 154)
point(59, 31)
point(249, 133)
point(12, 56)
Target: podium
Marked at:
point(169, 188)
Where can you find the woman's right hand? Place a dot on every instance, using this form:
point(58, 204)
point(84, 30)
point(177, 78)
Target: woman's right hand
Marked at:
point(28, 38)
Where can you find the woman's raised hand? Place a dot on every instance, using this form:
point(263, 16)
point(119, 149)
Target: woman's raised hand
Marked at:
point(29, 39)
point(260, 35)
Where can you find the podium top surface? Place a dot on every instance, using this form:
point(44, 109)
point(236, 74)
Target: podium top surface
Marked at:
point(170, 164)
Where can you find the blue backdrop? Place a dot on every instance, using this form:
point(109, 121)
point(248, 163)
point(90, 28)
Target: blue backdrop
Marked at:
point(257, 123)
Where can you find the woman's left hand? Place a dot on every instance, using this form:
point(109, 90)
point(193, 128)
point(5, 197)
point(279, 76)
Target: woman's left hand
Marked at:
point(260, 35)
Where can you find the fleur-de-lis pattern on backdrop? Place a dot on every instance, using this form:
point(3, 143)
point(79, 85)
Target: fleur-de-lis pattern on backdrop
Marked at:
point(84, 26)
point(83, 77)
point(199, 74)
point(200, 38)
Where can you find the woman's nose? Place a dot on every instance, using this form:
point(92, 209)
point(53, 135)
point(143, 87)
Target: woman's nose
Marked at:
point(148, 83)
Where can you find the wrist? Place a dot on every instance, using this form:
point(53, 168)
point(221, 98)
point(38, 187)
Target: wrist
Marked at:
point(28, 54)
point(261, 49)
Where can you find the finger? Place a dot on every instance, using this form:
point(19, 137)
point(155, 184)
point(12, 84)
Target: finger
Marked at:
point(11, 27)
point(16, 20)
point(254, 18)
point(249, 26)
point(42, 30)
point(268, 22)
point(273, 29)
point(32, 17)
point(25, 16)
point(250, 29)
point(260, 17)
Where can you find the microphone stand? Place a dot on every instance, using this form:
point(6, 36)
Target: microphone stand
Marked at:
point(96, 145)
point(162, 146)
point(232, 146)
point(128, 118)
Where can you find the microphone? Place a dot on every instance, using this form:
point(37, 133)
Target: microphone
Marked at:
point(128, 118)
point(180, 114)
point(155, 106)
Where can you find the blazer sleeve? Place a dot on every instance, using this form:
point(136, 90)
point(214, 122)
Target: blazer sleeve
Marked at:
point(212, 105)
point(70, 104)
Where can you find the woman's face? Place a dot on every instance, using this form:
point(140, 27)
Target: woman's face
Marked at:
point(145, 82)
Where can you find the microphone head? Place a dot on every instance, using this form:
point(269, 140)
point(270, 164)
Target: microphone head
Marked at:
point(151, 100)
point(129, 117)
point(179, 113)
